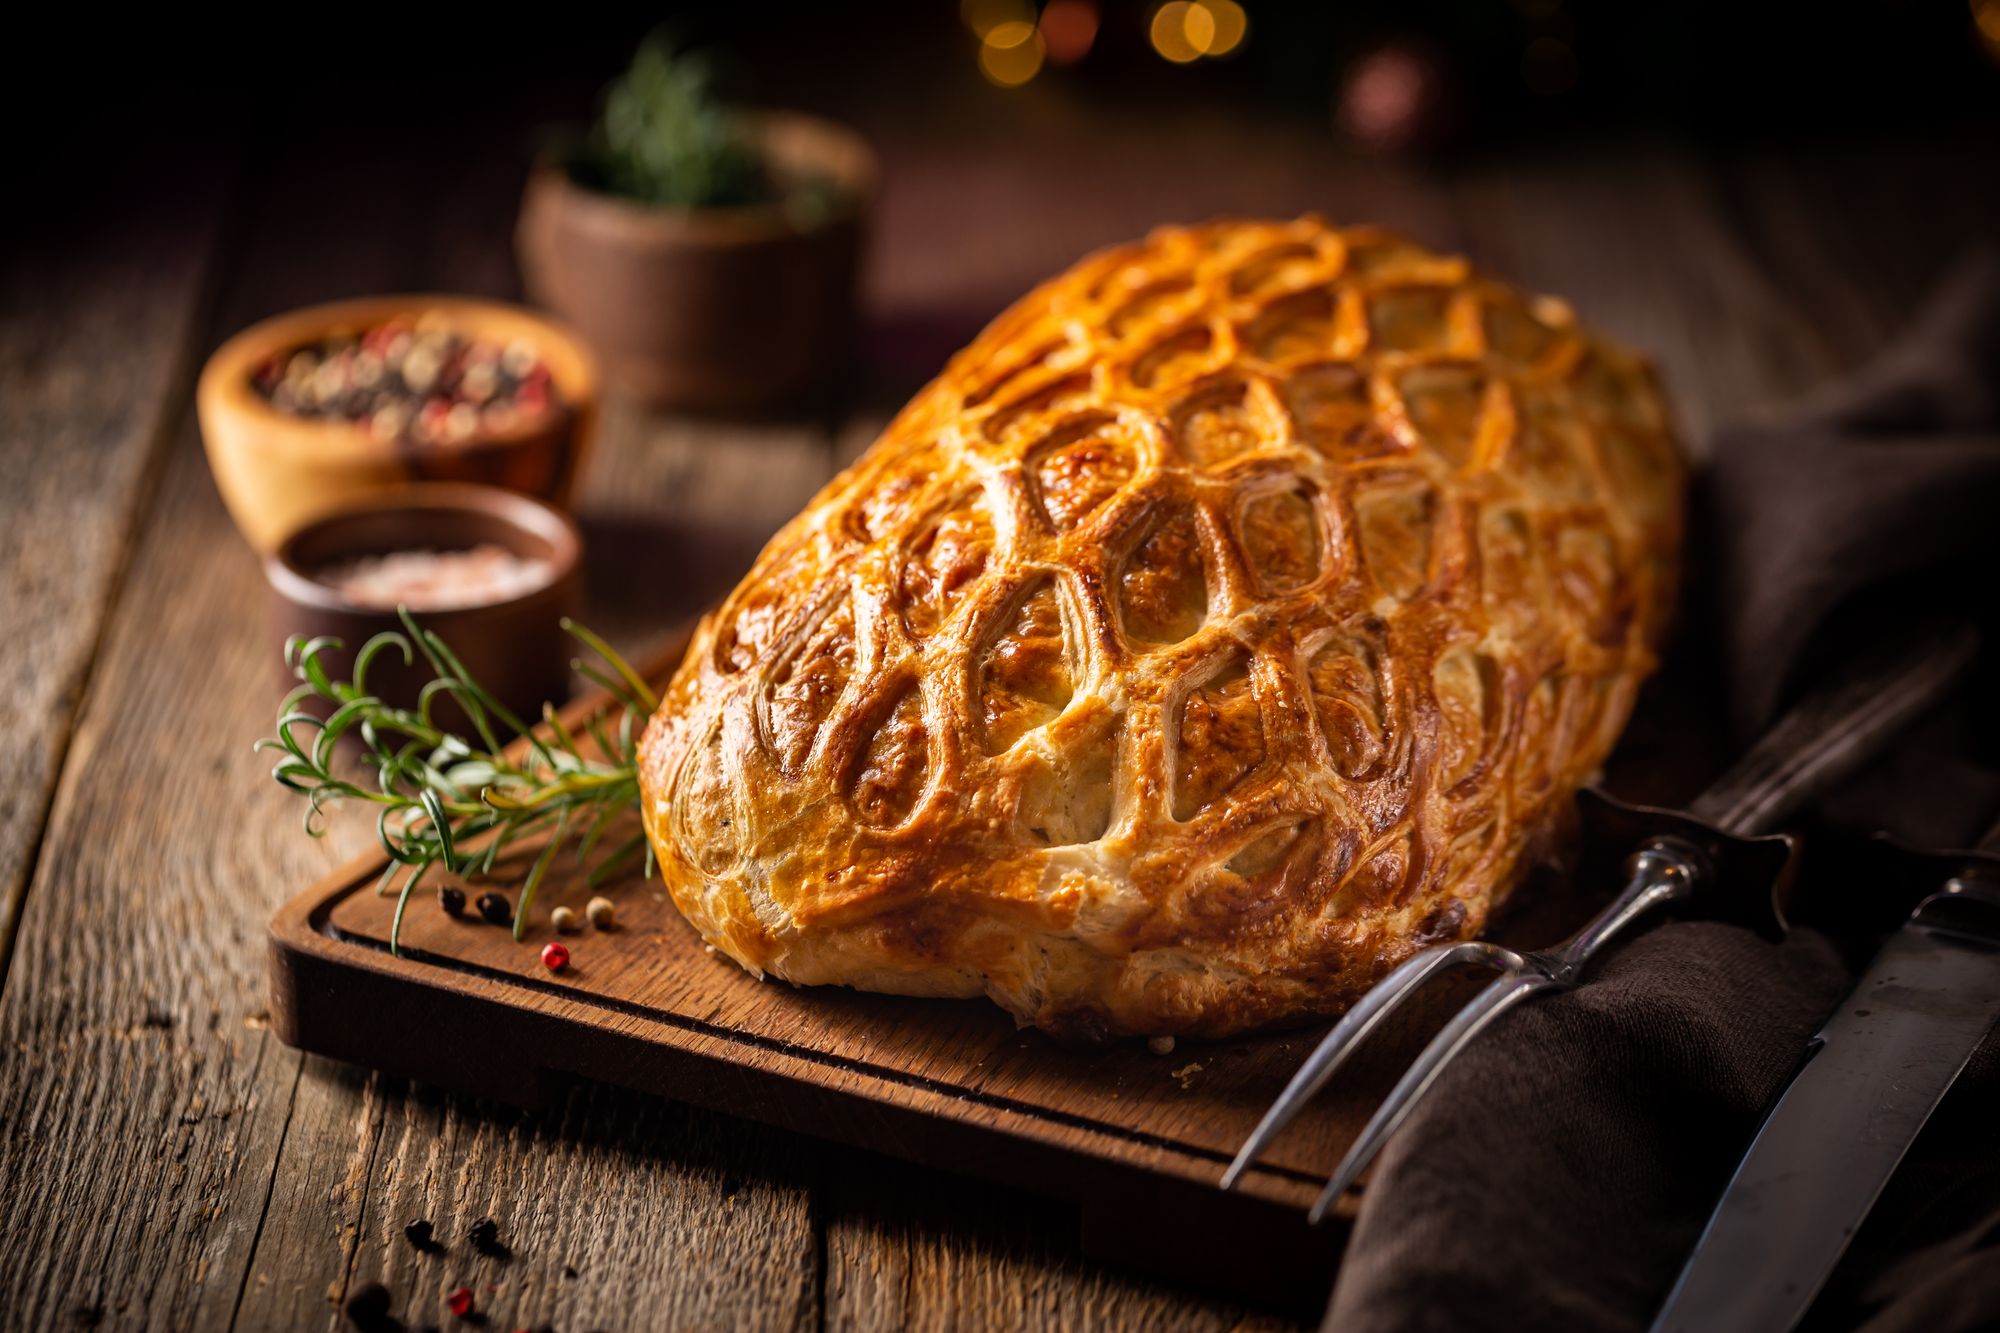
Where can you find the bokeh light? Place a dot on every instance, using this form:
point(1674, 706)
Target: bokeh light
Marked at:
point(983, 16)
point(1186, 30)
point(1986, 19)
point(1198, 27)
point(1011, 53)
point(1068, 29)
point(1170, 35)
point(1388, 100)
point(1230, 25)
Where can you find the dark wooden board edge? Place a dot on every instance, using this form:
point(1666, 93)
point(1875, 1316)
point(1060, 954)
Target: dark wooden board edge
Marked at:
point(1153, 1206)
point(1145, 1202)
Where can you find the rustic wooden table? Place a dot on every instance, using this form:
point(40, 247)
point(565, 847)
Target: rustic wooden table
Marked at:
point(164, 1161)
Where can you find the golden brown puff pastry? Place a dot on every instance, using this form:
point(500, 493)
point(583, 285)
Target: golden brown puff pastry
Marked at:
point(1233, 617)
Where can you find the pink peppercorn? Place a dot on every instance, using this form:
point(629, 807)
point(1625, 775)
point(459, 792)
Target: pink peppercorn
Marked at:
point(555, 957)
point(460, 1301)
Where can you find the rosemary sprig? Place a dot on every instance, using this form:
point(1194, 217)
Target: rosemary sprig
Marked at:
point(449, 800)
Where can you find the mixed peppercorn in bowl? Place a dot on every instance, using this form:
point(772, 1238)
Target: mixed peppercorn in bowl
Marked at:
point(309, 410)
point(418, 380)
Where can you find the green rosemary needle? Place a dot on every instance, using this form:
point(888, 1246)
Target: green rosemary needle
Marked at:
point(455, 801)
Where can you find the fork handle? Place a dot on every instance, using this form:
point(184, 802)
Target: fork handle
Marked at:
point(1663, 871)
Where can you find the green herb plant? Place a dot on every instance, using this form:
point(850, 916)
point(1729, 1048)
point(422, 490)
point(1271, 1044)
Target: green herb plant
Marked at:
point(663, 137)
point(458, 801)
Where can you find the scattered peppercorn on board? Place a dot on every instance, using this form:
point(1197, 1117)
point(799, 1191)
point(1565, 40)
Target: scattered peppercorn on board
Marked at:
point(1137, 1138)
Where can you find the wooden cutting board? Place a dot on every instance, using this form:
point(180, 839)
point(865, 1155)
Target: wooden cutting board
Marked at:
point(1136, 1139)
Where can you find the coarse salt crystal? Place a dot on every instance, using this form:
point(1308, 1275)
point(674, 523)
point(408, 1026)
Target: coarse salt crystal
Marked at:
point(426, 580)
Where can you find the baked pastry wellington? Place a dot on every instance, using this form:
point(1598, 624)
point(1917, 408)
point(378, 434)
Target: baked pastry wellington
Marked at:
point(1237, 614)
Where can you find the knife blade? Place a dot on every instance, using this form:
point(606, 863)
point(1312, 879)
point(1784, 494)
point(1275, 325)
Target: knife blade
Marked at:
point(1871, 1078)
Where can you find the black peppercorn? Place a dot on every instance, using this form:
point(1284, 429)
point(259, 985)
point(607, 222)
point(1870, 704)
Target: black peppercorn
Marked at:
point(495, 908)
point(368, 1305)
point(419, 1233)
point(416, 381)
point(452, 899)
point(485, 1235)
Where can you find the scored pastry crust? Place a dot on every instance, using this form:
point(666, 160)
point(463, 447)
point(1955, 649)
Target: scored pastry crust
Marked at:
point(1236, 615)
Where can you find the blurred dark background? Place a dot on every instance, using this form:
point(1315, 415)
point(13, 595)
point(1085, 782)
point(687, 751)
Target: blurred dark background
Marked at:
point(1498, 69)
point(1110, 128)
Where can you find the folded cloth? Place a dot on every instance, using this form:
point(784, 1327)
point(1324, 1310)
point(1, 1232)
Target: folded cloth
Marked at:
point(1887, 486)
point(1562, 1170)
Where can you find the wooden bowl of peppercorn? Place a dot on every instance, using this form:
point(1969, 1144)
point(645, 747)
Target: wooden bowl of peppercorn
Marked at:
point(307, 411)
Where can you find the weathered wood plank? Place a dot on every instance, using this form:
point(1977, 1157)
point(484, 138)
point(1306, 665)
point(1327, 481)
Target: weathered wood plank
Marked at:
point(674, 511)
point(145, 1104)
point(166, 1162)
point(97, 322)
point(145, 1090)
point(666, 1215)
point(623, 1181)
point(908, 1249)
point(970, 221)
point(614, 1210)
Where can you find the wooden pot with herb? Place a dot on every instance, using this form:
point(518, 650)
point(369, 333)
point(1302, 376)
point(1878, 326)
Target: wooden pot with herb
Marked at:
point(709, 256)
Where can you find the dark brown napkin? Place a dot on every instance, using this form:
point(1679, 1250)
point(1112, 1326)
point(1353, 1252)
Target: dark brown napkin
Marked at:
point(1883, 489)
point(1562, 1170)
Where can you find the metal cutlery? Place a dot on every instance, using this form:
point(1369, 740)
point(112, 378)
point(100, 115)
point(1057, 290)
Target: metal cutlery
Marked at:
point(1718, 859)
point(1871, 1078)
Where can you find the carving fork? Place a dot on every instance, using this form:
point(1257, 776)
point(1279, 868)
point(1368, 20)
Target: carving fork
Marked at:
point(1718, 859)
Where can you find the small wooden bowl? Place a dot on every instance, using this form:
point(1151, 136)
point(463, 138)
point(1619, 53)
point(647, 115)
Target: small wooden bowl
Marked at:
point(717, 309)
point(276, 471)
point(516, 648)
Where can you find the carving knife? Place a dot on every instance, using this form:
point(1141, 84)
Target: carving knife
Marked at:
point(1717, 858)
point(1871, 1078)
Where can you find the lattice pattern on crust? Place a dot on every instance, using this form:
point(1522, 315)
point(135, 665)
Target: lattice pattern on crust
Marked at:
point(1232, 617)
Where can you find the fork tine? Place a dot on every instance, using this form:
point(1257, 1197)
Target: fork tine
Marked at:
point(1488, 1005)
point(1333, 1050)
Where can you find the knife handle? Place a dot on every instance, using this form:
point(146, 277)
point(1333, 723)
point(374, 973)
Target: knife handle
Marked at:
point(1967, 906)
point(1837, 729)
